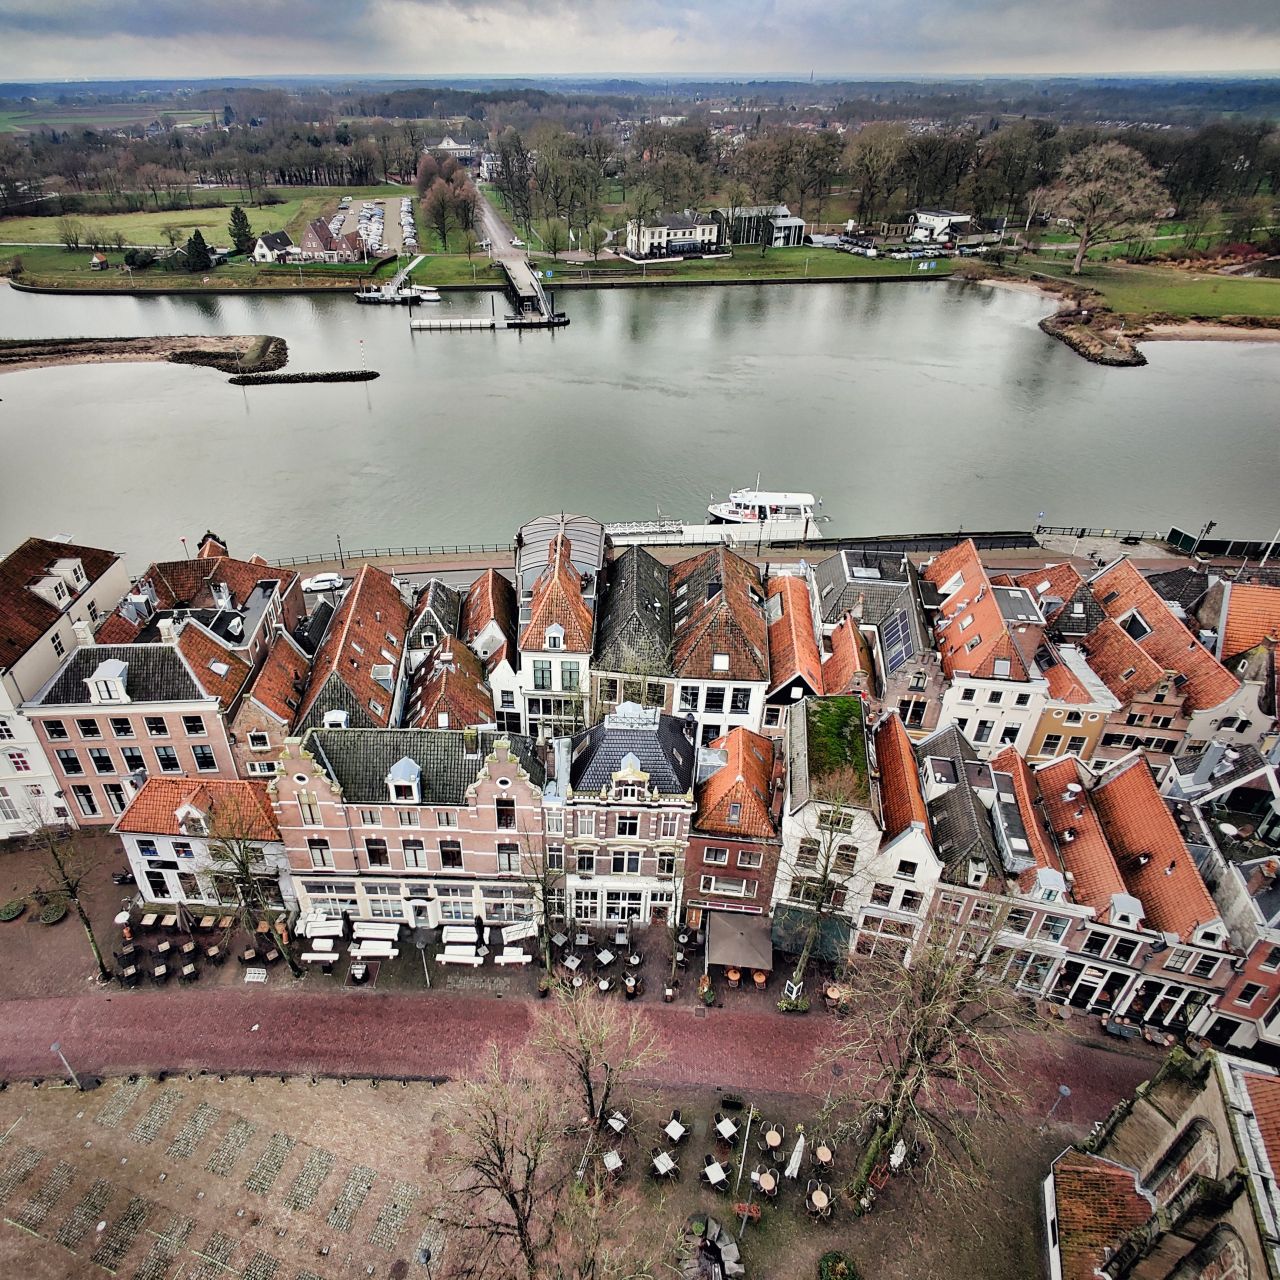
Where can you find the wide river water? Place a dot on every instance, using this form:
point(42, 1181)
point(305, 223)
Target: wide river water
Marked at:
point(907, 407)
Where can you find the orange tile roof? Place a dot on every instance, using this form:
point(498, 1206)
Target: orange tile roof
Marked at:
point(1115, 658)
point(850, 659)
point(988, 627)
point(718, 607)
point(490, 598)
point(25, 616)
point(203, 653)
point(901, 797)
point(233, 807)
point(1065, 685)
point(745, 779)
point(1026, 792)
point(1098, 1203)
point(450, 682)
point(1120, 589)
point(117, 629)
point(367, 631)
point(1253, 615)
point(793, 648)
point(190, 583)
point(281, 680)
point(1061, 581)
point(1156, 864)
point(557, 598)
point(1264, 1093)
point(1088, 855)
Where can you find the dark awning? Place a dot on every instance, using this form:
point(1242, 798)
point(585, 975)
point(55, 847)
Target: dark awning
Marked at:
point(739, 941)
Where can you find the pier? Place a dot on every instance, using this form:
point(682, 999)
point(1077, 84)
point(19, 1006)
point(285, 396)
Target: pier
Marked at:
point(532, 307)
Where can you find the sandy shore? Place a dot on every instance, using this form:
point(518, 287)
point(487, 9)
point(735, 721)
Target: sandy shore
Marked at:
point(1204, 331)
point(48, 353)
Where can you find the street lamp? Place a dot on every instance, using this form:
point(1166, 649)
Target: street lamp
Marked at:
point(341, 558)
point(1064, 1091)
point(56, 1047)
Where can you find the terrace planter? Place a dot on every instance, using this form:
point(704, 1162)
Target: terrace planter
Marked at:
point(12, 910)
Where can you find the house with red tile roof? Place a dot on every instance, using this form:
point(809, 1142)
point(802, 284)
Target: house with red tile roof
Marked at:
point(487, 625)
point(848, 668)
point(1241, 615)
point(271, 701)
point(448, 690)
point(795, 662)
point(556, 640)
point(720, 649)
point(1180, 1181)
point(53, 596)
point(182, 836)
point(735, 840)
point(988, 636)
point(358, 675)
point(1193, 684)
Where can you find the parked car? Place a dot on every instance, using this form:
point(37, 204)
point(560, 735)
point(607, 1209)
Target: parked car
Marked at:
point(324, 582)
point(516, 242)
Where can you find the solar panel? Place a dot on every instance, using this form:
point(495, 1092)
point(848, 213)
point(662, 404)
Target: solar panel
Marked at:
point(896, 637)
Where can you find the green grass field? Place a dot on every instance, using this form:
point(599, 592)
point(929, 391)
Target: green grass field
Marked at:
point(57, 116)
point(1144, 291)
point(299, 205)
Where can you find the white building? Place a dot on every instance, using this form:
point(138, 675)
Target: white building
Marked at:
point(672, 235)
point(177, 833)
point(52, 594)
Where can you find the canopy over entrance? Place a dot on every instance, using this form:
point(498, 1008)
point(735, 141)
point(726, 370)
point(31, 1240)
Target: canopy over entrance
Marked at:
point(739, 942)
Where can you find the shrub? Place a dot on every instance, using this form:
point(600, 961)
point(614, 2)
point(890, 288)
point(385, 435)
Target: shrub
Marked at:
point(13, 909)
point(15, 267)
point(799, 1005)
point(53, 912)
point(837, 1266)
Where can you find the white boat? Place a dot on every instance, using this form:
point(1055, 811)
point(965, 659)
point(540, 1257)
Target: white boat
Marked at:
point(753, 506)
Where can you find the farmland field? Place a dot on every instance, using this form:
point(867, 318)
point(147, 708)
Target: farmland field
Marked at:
point(108, 116)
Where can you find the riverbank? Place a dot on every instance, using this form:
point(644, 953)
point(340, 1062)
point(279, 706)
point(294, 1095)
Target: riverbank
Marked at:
point(253, 353)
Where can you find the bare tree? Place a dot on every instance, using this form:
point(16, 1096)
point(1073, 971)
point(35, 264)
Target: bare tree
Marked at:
point(553, 237)
point(597, 238)
point(600, 1044)
point(872, 160)
point(240, 872)
point(70, 232)
point(543, 873)
point(926, 1054)
point(67, 860)
point(1106, 189)
point(173, 233)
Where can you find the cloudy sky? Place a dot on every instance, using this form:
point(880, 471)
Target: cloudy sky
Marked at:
point(49, 39)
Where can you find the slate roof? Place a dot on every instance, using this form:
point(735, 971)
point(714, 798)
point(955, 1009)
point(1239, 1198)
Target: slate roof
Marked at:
point(367, 631)
point(840, 587)
point(901, 798)
point(276, 241)
point(948, 741)
point(558, 600)
point(1251, 615)
point(1180, 586)
point(437, 611)
point(244, 807)
point(1119, 589)
point(745, 779)
point(449, 682)
point(281, 680)
point(657, 741)
point(358, 760)
point(24, 616)
point(718, 607)
point(1098, 1203)
point(962, 829)
point(633, 621)
point(793, 648)
point(1139, 826)
point(157, 673)
point(311, 630)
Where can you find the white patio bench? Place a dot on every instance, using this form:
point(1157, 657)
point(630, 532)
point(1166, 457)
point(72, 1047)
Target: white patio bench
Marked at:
point(319, 957)
point(512, 955)
point(459, 957)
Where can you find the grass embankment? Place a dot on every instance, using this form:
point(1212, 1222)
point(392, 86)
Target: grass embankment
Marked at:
point(297, 207)
point(53, 267)
point(1142, 291)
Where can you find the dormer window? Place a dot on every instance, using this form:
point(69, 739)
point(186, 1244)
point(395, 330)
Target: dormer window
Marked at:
point(735, 814)
point(1135, 625)
point(404, 781)
point(107, 684)
point(555, 636)
point(719, 662)
point(977, 873)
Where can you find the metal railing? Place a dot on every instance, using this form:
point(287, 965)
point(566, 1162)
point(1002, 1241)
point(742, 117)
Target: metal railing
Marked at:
point(373, 553)
point(1083, 531)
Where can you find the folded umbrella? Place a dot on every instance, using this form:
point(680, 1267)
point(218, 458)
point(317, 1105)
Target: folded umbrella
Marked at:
point(793, 1165)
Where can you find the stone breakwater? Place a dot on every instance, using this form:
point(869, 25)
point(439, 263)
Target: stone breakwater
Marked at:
point(229, 354)
point(268, 379)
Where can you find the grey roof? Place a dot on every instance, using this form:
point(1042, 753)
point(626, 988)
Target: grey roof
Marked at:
point(946, 741)
point(1182, 586)
point(850, 574)
point(437, 610)
point(157, 673)
point(633, 623)
point(336, 695)
point(657, 741)
point(1216, 768)
point(310, 630)
point(681, 221)
point(1072, 622)
point(275, 240)
point(359, 760)
point(961, 828)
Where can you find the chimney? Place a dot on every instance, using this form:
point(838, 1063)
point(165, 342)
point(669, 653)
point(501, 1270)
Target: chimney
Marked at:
point(84, 631)
point(168, 632)
point(1262, 877)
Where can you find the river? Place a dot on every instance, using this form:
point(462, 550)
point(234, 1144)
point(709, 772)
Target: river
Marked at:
point(907, 407)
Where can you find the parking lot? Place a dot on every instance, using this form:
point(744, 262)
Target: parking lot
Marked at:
point(386, 225)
